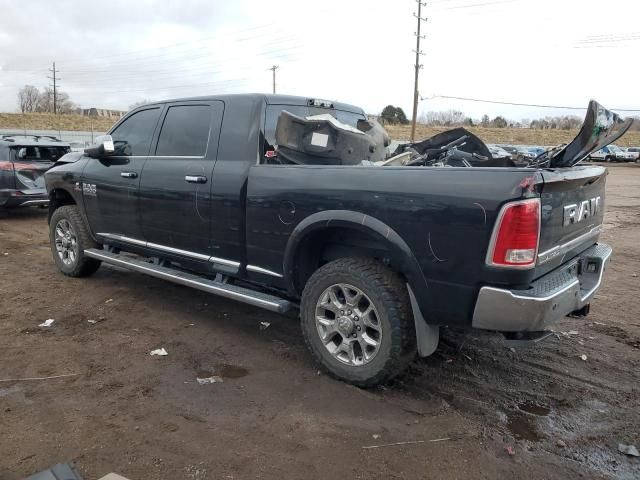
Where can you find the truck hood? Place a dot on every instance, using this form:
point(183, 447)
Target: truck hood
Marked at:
point(600, 128)
point(70, 157)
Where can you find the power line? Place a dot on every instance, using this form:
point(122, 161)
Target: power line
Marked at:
point(189, 42)
point(417, 67)
point(563, 107)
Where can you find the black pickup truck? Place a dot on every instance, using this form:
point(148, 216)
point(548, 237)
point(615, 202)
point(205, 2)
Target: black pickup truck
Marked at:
point(375, 254)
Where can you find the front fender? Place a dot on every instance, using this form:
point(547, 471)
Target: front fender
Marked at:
point(401, 255)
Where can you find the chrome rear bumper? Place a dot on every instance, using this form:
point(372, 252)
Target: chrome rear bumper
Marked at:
point(566, 289)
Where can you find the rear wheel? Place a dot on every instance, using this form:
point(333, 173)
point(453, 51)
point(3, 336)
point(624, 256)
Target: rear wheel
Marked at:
point(608, 159)
point(357, 321)
point(69, 238)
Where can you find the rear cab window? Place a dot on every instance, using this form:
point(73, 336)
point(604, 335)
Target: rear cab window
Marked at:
point(185, 131)
point(273, 112)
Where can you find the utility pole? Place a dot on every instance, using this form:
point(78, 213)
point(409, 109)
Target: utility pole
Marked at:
point(273, 69)
point(55, 87)
point(417, 66)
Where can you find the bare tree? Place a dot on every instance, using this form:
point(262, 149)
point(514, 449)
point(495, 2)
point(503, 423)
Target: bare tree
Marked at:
point(45, 102)
point(445, 118)
point(65, 105)
point(28, 98)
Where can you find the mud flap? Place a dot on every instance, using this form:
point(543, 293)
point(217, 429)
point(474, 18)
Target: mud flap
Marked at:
point(427, 335)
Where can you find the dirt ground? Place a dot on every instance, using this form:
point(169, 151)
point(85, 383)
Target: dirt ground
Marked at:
point(274, 416)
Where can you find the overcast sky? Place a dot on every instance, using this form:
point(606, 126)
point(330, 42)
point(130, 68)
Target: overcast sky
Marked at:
point(113, 54)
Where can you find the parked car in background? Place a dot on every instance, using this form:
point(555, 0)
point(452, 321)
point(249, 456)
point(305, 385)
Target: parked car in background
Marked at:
point(498, 152)
point(634, 150)
point(510, 149)
point(23, 162)
point(523, 154)
point(537, 150)
point(613, 153)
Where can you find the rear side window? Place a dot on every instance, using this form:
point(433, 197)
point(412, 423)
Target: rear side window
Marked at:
point(133, 136)
point(185, 131)
point(39, 153)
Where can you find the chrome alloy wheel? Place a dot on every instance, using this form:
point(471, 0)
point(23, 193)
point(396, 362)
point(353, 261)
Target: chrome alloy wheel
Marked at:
point(348, 324)
point(66, 242)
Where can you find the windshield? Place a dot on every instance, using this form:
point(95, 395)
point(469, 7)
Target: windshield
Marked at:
point(615, 148)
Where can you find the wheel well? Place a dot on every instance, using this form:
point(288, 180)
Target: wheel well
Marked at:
point(57, 198)
point(328, 244)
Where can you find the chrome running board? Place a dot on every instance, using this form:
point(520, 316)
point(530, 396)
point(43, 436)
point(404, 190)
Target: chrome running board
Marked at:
point(245, 295)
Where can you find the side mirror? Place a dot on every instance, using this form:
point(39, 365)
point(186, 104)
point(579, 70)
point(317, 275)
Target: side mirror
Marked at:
point(102, 148)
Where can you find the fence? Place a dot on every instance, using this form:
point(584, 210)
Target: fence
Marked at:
point(76, 139)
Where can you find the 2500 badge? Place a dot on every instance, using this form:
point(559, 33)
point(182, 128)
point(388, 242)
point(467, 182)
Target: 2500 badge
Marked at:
point(89, 189)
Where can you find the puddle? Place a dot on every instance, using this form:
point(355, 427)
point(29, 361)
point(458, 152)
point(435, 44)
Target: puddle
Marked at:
point(534, 409)
point(522, 424)
point(521, 427)
point(230, 371)
point(224, 370)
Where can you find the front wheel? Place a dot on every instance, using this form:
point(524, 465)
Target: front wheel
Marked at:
point(69, 238)
point(357, 321)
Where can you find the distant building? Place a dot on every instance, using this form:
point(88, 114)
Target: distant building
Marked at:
point(100, 112)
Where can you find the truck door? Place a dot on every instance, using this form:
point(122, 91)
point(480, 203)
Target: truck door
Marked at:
point(110, 184)
point(175, 189)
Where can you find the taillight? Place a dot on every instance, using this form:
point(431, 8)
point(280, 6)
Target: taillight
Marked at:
point(8, 166)
point(514, 242)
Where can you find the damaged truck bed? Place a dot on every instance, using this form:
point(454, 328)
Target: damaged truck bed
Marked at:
point(323, 140)
point(294, 204)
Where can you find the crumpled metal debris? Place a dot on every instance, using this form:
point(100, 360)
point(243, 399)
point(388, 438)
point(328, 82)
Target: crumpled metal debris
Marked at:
point(208, 380)
point(161, 352)
point(47, 323)
point(630, 450)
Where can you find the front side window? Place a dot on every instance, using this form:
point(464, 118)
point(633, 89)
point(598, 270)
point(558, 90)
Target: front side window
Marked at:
point(133, 136)
point(185, 131)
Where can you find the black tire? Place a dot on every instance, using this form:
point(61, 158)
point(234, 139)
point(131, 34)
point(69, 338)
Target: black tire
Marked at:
point(608, 159)
point(388, 294)
point(80, 265)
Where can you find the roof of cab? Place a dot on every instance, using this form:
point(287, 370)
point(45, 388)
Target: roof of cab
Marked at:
point(271, 99)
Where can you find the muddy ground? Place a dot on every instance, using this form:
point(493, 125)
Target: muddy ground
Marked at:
point(274, 416)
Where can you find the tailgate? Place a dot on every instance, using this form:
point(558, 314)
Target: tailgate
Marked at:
point(30, 162)
point(572, 213)
point(30, 174)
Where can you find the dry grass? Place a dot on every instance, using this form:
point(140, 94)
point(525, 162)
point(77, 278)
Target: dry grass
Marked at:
point(515, 136)
point(48, 121)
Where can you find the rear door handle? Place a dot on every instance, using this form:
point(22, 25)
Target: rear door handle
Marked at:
point(128, 174)
point(196, 179)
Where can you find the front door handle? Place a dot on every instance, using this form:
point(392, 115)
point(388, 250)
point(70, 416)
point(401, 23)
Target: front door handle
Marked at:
point(195, 179)
point(128, 174)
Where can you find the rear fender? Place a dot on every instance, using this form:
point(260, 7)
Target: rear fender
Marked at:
point(400, 254)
